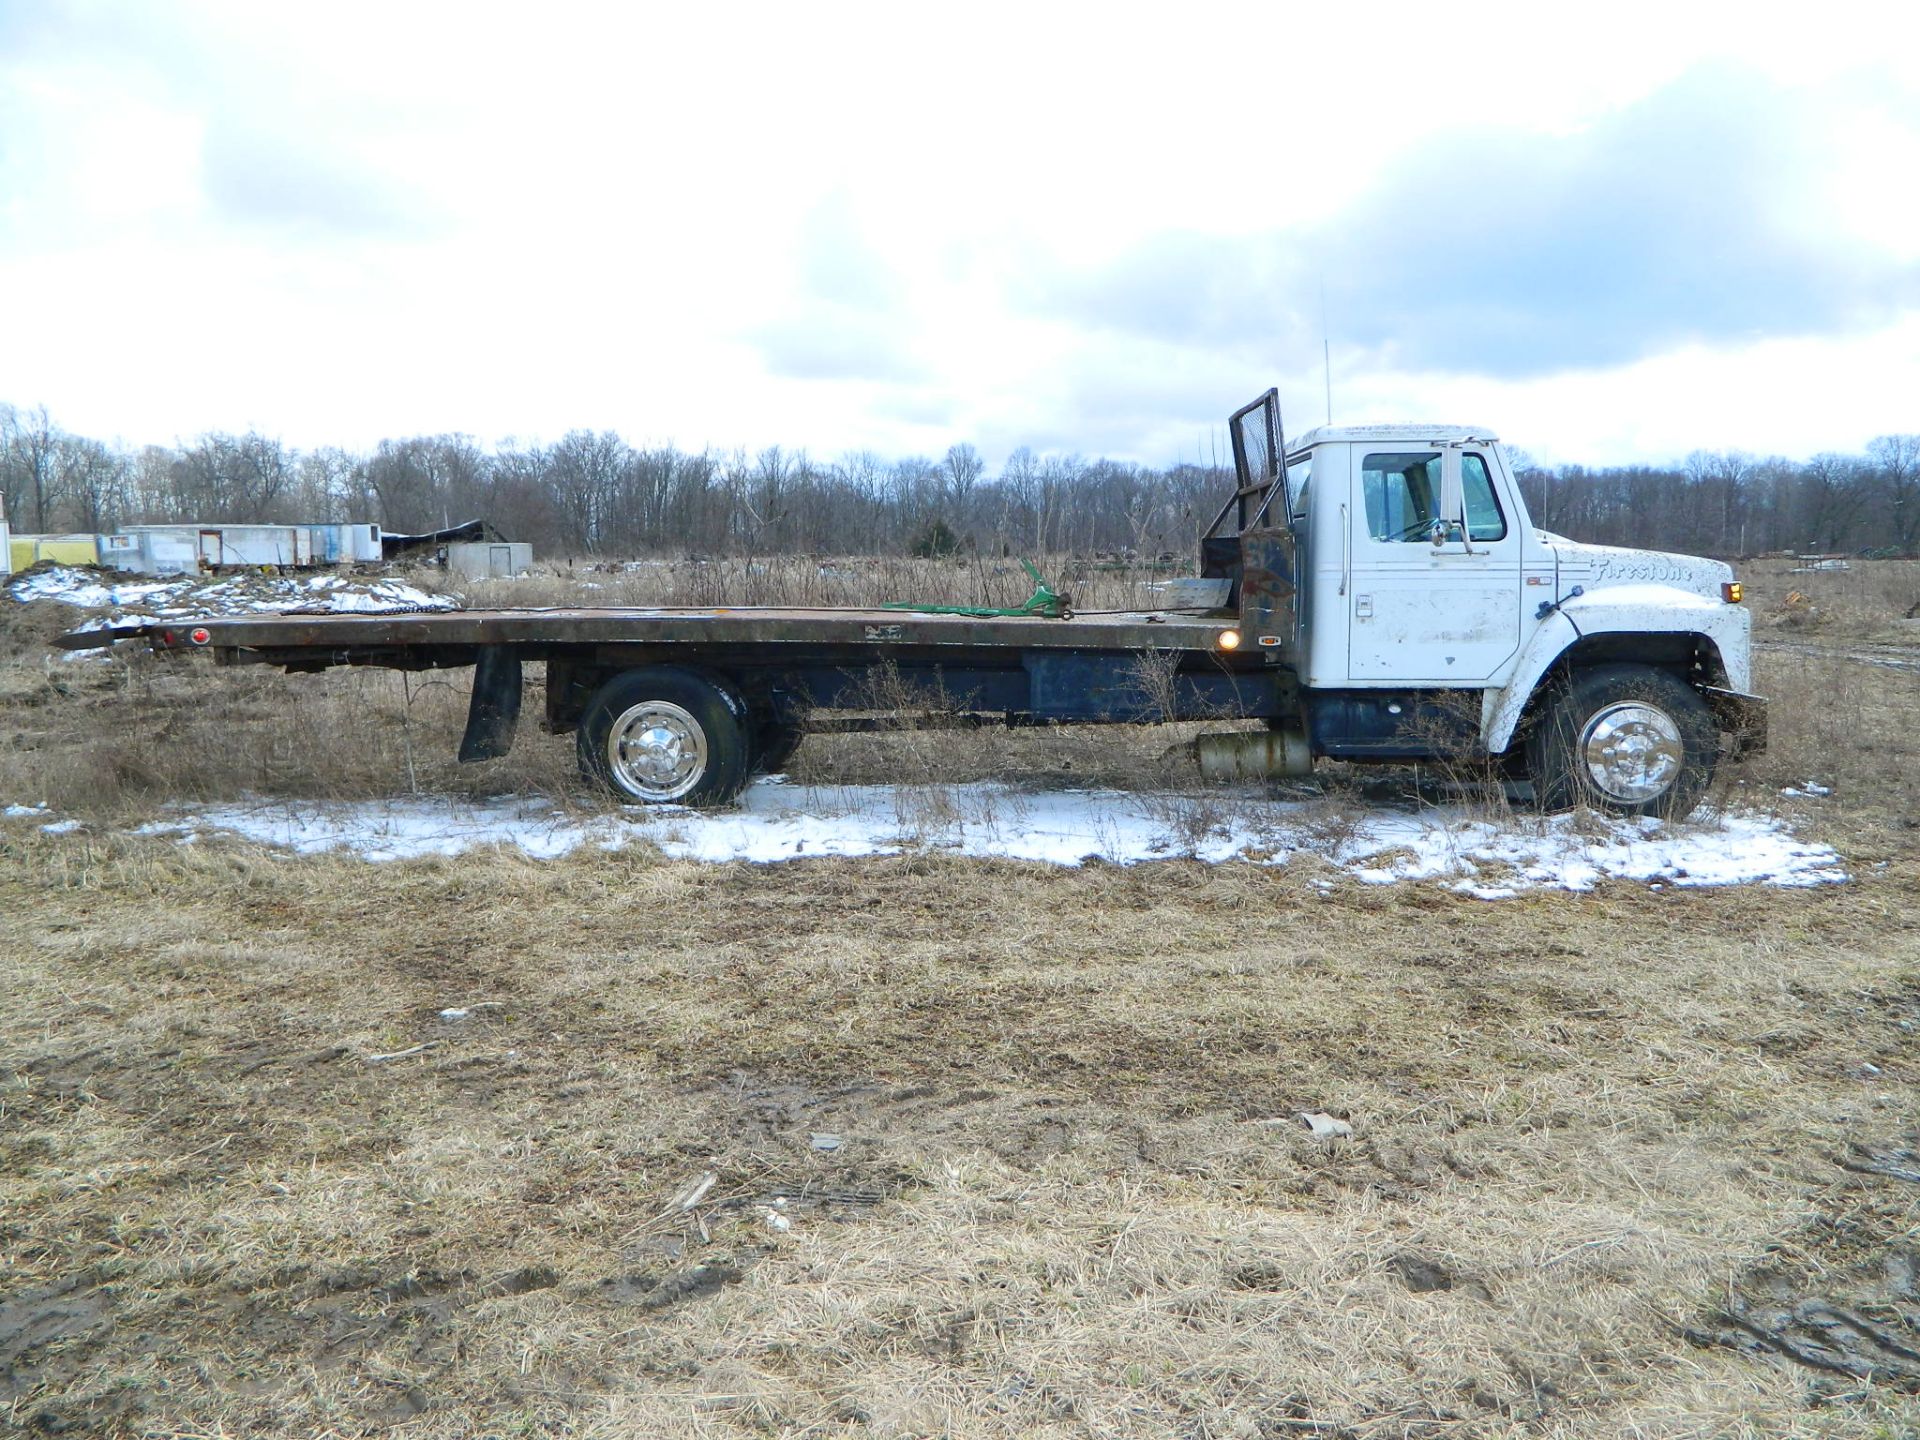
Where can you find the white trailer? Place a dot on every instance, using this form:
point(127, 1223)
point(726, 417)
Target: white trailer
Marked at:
point(173, 549)
point(154, 549)
point(490, 559)
point(218, 547)
point(345, 544)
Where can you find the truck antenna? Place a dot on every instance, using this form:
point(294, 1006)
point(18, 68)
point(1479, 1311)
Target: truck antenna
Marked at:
point(1326, 349)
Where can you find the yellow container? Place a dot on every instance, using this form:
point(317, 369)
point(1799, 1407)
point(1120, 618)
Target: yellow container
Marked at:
point(61, 549)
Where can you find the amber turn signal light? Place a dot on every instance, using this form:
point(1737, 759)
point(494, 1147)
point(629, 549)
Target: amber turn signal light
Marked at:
point(1732, 592)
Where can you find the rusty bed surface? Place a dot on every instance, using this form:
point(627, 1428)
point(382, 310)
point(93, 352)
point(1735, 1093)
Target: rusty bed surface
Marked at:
point(655, 626)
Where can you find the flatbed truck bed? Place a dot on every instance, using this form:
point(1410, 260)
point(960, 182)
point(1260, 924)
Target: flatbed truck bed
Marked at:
point(315, 640)
point(686, 704)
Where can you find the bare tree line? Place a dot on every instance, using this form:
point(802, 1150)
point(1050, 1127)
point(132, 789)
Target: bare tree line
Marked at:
point(591, 493)
point(1725, 502)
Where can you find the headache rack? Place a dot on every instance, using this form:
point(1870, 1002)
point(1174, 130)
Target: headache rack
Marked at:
point(1260, 474)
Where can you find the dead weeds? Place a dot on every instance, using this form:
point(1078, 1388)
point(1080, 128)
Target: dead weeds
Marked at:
point(983, 1142)
point(309, 1146)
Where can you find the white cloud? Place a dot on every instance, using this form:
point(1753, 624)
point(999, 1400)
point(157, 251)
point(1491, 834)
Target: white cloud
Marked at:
point(1790, 396)
point(821, 225)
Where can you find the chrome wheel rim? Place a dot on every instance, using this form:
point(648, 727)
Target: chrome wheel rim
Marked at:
point(656, 751)
point(1633, 752)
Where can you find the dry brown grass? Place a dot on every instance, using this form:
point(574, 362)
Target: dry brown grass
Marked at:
point(119, 738)
point(1846, 724)
point(1867, 601)
point(1580, 1120)
point(1842, 671)
point(806, 580)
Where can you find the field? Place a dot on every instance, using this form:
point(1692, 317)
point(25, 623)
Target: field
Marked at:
point(612, 1145)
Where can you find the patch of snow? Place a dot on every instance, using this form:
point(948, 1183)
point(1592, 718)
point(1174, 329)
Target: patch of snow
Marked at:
point(196, 597)
point(1806, 790)
point(61, 827)
point(14, 812)
point(1324, 1126)
point(395, 830)
point(1576, 853)
point(777, 821)
point(102, 622)
point(1496, 892)
point(382, 596)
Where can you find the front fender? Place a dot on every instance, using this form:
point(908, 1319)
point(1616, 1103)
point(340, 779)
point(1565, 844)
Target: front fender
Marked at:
point(1618, 610)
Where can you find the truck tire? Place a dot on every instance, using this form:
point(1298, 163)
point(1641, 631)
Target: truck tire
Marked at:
point(665, 736)
point(1626, 740)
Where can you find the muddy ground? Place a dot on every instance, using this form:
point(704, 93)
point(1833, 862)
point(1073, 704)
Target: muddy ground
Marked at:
point(986, 1149)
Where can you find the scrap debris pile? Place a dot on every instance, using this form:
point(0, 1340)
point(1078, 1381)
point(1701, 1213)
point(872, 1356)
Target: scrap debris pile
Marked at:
point(123, 599)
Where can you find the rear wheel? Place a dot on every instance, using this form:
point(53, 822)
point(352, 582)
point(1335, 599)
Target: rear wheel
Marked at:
point(664, 735)
point(1625, 739)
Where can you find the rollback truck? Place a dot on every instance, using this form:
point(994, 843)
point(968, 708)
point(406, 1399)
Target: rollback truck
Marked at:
point(1372, 593)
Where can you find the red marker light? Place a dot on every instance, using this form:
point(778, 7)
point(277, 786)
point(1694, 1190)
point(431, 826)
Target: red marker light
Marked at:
point(200, 635)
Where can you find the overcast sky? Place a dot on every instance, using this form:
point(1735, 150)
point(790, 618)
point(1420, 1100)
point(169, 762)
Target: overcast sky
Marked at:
point(1610, 234)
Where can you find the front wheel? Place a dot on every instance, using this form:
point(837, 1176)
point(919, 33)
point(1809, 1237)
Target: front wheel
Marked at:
point(1625, 739)
point(664, 735)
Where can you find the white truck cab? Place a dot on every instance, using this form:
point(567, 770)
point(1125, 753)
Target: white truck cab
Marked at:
point(1428, 615)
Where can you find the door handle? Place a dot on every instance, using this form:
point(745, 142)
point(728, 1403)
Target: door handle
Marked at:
point(1363, 606)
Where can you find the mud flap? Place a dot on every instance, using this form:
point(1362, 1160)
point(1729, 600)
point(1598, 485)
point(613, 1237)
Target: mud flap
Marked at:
point(494, 712)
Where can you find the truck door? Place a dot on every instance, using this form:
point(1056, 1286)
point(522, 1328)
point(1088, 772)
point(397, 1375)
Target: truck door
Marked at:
point(1261, 558)
point(1438, 613)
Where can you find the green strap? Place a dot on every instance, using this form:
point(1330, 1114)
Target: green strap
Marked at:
point(1044, 602)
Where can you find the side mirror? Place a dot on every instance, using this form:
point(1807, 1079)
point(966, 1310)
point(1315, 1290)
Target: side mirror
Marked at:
point(1452, 497)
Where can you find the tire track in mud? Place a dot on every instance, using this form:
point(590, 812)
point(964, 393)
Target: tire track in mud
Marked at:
point(1842, 1298)
point(1887, 656)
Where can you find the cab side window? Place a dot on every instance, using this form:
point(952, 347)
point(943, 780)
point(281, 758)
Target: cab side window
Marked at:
point(1402, 494)
point(1299, 473)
